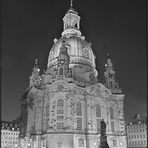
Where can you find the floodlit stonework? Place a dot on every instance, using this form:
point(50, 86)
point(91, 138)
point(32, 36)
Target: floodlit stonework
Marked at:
point(137, 132)
point(67, 103)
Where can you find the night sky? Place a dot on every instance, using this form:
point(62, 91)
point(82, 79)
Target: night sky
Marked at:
point(112, 26)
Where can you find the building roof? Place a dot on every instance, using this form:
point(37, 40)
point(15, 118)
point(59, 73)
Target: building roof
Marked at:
point(7, 125)
point(138, 119)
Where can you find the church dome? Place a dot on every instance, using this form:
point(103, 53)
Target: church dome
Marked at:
point(79, 50)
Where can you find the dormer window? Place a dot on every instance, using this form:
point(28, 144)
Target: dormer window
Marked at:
point(85, 52)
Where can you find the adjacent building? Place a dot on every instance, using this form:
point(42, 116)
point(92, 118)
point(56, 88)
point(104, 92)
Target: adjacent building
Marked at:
point(9, 134)
point(137, 132)
point(66, 103)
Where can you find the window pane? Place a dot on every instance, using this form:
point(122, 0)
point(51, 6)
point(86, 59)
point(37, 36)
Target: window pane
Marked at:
point(111, 113)
point(79, 123)
point(60, 125)
point(60, 103)
point(98, 111)
point(79, 110)
point(60, 111)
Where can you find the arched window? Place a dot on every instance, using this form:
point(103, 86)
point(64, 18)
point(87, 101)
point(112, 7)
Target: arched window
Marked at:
point(114, 142)
point(81, 142)
point(98, 111)
point(60, 103)
point(79, 123)
point(79, 109)
point(111, 113)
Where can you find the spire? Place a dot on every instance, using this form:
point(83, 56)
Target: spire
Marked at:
point(36, 63)
point(71, 4)
point(71, 22)
point(36, 69)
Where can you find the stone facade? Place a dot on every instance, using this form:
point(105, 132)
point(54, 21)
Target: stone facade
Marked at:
point(137, 132)
point(67, 103)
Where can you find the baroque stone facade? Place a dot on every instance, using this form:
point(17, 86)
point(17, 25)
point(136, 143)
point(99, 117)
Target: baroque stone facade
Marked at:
point(66, 103)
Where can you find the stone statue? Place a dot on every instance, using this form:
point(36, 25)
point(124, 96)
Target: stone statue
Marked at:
point(103, 127)
point(103, 138)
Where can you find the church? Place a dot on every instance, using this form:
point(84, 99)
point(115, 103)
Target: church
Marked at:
point(66, 103)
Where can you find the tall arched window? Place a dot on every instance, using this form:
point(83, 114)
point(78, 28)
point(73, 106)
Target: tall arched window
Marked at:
point(79, 109)
point(98, 110)
point(111, 113)
point(60, 103)
point(81, 142)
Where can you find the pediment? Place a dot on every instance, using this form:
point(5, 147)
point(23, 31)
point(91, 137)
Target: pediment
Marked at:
point(98, 90)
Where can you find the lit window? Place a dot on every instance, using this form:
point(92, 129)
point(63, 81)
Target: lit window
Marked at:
point(81, 142)
point(60, 103)
point(98, 111)
point(111, 113)
point(78, 109)
point(79, 123)
point(60, 125)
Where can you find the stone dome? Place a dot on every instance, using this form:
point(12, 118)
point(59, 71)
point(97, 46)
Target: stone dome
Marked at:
point(80, 51)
